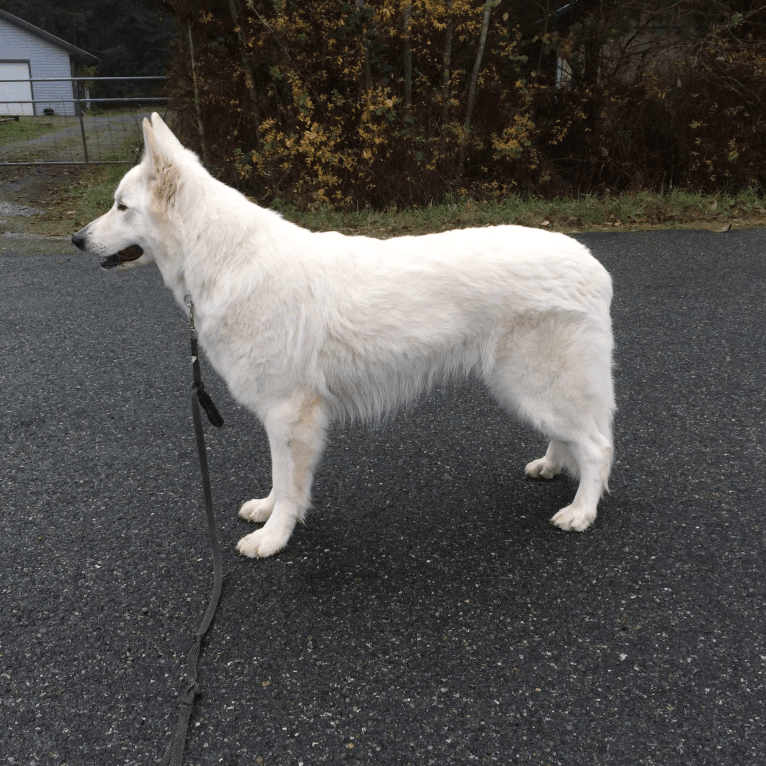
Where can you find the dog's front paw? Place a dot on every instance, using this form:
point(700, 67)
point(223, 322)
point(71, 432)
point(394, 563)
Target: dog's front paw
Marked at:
point(257, 510)
point(541, 468)
point(573, 519)
point(265, 542)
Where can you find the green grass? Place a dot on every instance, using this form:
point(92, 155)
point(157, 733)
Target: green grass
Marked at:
point(29, 127)
point(645, 210)
point(98, 195)
point(635, 211)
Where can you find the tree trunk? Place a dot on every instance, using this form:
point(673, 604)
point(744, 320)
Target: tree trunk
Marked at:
point(249, 79)
point(407, 58)
point(447, 61)
point(472, 90)
point(365, 54)
point(545, 33)
point(198, 108)
point(446, 64)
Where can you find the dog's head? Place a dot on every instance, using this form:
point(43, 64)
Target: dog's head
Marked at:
point(138, 228)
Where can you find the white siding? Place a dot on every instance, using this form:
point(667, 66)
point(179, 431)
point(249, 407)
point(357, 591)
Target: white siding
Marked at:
point(46, 59)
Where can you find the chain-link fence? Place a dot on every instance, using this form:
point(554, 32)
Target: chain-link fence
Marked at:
point(76, 130)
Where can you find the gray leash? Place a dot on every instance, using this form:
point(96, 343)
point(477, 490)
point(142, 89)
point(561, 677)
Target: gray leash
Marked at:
point(175, 750)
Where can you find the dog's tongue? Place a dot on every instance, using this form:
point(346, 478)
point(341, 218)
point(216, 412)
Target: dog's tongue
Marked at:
point(124, 256)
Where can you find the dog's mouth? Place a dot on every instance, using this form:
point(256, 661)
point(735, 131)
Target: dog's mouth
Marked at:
point(127, 255)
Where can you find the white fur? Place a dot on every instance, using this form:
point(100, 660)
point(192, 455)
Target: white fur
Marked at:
point(305, 327)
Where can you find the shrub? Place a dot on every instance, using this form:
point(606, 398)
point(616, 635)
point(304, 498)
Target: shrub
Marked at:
point(403, 102)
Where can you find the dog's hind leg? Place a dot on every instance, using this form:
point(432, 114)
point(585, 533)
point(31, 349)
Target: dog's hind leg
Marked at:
point(593, 454)
point(556, 374)
point(585, 450)
point(296, 429)
point(584, 460)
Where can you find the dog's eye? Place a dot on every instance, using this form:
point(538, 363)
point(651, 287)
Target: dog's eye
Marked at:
point(120, 206)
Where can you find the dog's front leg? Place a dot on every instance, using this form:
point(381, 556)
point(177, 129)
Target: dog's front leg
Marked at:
point(296, 429)
point(258, 509)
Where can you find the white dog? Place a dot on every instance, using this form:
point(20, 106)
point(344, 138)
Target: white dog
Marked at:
point(305, 327)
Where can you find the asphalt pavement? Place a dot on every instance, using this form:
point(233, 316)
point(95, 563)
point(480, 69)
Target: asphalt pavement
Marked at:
point(427, 613)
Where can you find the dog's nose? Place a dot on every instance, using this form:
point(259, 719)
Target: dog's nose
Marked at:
point(78, 240)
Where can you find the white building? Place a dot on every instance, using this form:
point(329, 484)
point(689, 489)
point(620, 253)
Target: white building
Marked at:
point(30, 53)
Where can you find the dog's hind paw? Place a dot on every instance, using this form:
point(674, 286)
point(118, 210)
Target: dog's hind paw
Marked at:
point(541, 468)
point(573, 519)
point(263, 543)
point(257, 510)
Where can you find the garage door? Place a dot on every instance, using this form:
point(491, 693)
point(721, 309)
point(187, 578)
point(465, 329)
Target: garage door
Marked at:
point(13, 94)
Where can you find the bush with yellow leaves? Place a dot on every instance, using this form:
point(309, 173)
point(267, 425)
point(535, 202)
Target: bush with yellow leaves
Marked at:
point(401, 102)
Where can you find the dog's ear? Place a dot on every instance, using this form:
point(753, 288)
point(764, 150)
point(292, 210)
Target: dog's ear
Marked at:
point(163, 172)
point(159, 140)
point(164, 136)
point(150, 143)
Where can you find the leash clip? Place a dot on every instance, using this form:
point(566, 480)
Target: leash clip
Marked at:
point(190, 304)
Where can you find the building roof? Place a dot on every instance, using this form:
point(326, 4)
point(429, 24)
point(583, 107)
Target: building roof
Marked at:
point(73, 50)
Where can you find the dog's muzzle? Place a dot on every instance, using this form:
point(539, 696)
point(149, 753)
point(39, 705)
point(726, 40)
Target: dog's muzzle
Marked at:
point(126, 255)
point(131, 253)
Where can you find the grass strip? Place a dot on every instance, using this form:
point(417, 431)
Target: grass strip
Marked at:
point(67, 210)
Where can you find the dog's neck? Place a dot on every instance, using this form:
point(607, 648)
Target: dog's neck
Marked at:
point(172, 271)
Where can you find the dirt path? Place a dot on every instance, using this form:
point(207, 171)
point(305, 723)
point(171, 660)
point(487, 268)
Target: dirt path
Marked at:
point(34, 202)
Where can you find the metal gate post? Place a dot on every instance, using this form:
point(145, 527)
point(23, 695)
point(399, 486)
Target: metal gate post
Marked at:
point(82, 127)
